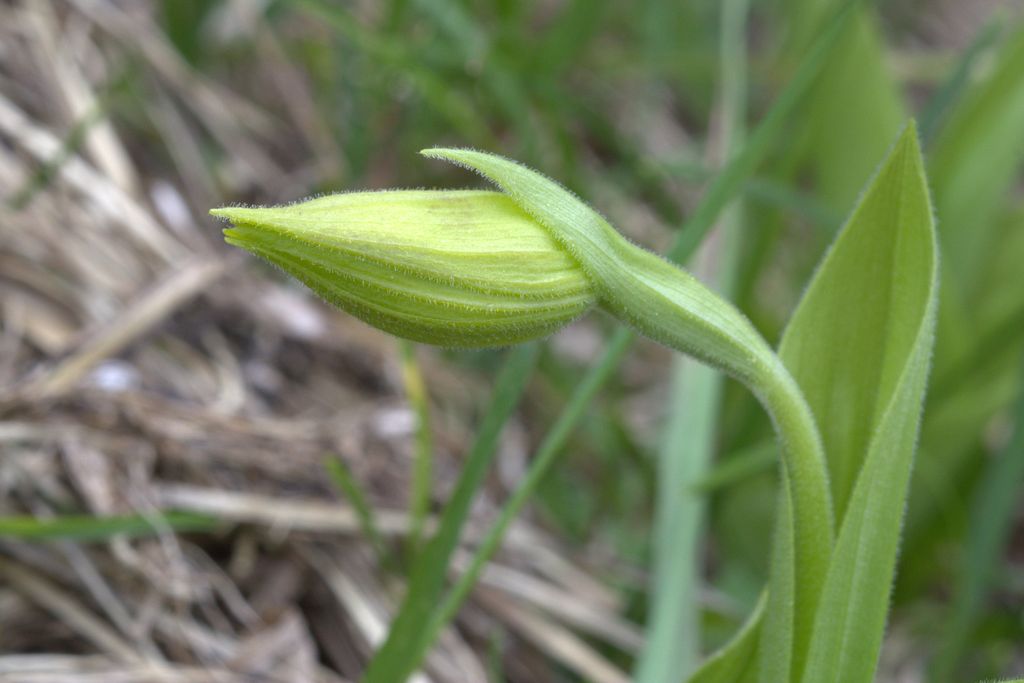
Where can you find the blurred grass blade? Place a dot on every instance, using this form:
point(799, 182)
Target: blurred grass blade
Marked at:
point(85, 528)
point(451, 19)
point(423, 459)
point(546, 456)
point(856, 95)
point(738, 467)
point(940, 102)
point(562, 43)
point(73, 141)
point(404, 649)
point(672, 646)
point(992, 511)
point(860, 345)
point(975, 160)
point(763, 138)
point(339, 473)
point(395, 55)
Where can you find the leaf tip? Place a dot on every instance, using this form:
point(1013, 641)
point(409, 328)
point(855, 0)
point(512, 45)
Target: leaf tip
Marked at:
point(445, 153)
point(909, 140)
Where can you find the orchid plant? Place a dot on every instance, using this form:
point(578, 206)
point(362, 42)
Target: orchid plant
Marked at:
point(844, 390)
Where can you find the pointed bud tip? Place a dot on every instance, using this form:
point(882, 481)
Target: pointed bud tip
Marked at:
point(239, 215)
point(235, 219)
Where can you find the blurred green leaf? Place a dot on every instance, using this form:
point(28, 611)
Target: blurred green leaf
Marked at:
point(183, 22)
point(993, 508)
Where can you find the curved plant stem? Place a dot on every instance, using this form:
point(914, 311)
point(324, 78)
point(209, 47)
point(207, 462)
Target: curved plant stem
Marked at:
point(670, 306)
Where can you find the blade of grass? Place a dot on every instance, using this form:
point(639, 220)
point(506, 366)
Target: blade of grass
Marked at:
point(952, 88)
point(450, 103)
point(739, 466)
point(423, 460)
point(564, 41)
point(546, 455)
point(856, 95)
point(73, 141)
point(672, 646)
point(974, 162)
point(473, 44)
point(85, 528)
point(339, 473)
point(769, 192)
point(761, 141)
point(450, 18)
point(403, 649)
point(991, 518)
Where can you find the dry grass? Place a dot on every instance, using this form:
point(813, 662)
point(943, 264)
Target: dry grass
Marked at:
point(144, 368)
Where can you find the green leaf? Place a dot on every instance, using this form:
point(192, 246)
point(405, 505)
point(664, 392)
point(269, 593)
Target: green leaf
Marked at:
point(859, 345)
point(846, 342)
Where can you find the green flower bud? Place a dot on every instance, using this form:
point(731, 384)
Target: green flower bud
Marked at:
point(459, 269)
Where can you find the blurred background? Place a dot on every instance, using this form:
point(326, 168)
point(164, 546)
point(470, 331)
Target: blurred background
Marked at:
point(186, 436)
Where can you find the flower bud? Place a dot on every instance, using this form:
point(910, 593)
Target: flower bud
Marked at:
point(460, 269)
